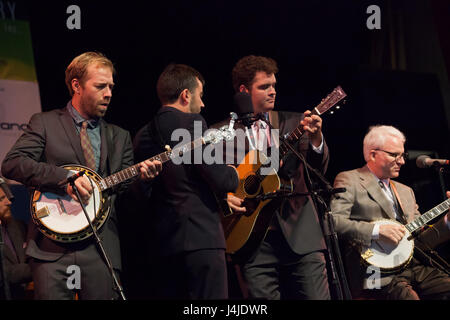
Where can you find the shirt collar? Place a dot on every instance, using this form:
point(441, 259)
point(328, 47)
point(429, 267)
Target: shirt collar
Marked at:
point(76, 116)
point(261, 123)
point(386, 182)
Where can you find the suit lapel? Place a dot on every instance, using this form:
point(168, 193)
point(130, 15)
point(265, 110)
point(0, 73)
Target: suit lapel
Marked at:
point(72, 135)
point(370, 183)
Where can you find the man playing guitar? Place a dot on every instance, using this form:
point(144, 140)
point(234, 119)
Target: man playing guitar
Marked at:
point(289, 262)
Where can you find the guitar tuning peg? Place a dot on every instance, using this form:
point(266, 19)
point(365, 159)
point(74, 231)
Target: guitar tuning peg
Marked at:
point(167, 147)
point(338, 107)
point(332, 112)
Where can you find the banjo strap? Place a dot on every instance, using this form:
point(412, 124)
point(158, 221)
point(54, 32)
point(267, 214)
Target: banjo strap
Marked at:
point(398, 204)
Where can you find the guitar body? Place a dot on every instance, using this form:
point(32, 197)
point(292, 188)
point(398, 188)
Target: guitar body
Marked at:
point(62, 219)
point(386, 256)
point(244, 231)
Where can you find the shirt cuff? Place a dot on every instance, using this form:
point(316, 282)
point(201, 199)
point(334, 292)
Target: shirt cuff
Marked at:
point(376, 232)
point(318, 149)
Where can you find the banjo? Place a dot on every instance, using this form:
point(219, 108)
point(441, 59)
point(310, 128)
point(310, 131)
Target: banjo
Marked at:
point(62, 219)
point(389, 257)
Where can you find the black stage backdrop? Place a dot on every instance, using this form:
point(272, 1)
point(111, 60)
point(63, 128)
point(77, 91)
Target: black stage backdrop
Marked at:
point(396, 75)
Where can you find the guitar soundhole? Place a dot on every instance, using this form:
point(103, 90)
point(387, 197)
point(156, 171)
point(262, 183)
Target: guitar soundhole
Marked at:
point(251, 184)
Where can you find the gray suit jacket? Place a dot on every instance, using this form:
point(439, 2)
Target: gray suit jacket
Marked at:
point(353, 210)
point(50, 141)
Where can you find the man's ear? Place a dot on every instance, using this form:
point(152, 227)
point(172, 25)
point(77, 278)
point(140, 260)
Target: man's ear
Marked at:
point(372, 155)
point(185, 96)
point(75, 85)
point(243, 88)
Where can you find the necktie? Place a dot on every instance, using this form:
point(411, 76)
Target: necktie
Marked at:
point(86, 145)
point(262, 134)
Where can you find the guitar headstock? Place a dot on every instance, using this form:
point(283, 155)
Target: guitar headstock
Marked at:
point(330, 100)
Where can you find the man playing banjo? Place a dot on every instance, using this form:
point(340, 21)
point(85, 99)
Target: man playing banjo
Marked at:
point(373, 212)
point(75, 135)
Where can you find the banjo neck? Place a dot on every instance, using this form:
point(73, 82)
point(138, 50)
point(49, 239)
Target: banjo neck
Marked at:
point(133, 171)
point(428, 216)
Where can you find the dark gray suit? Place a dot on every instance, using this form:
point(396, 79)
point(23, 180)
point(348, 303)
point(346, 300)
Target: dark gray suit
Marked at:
point(50, 141)
point(184, 225)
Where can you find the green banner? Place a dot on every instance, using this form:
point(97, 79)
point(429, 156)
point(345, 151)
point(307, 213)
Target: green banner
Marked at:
point(16, 52)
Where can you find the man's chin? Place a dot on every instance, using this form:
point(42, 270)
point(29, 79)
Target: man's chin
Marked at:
point(395, 174)
point(101, 112)
point(269, 107)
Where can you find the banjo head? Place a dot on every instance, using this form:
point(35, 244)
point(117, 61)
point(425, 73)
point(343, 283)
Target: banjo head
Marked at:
point(387, 256)
point(62, 219)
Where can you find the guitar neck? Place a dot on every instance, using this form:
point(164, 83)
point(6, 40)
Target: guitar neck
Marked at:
point(428, 216)
point(133, 171)
point(333, 98)
point(295, 135)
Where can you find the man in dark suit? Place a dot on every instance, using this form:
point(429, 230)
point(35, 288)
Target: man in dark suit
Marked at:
point(184, 223)
point(290, 262)
point(16, 271)
point(76, 134)
point(371, 195)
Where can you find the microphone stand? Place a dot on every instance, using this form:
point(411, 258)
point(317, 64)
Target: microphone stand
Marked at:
point(339, 279)
point(117, 285)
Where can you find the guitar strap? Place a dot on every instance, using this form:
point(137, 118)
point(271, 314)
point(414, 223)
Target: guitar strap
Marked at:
point(275, 123)
point(398, 204)
point(274, 120)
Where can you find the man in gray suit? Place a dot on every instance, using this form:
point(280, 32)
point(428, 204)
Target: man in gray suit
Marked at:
point(51, 140)
point(370, 195)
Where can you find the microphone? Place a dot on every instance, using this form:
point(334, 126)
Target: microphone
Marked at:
point(426, 162)
point(6, 189)
point(244, 108)
point(71, 179)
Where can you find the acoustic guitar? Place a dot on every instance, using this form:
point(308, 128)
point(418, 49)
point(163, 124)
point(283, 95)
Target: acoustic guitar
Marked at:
point(245, 230)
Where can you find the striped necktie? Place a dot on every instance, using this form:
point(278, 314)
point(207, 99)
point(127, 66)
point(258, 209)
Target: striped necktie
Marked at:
point(86, 145)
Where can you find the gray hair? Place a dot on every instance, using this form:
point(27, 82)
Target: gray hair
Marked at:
point(376, 137)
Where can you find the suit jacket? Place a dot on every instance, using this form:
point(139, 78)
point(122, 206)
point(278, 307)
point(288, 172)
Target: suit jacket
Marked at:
point(18, 271)
point(297, 217)
point(353, 211)
point(50, 141)
point(184, 215)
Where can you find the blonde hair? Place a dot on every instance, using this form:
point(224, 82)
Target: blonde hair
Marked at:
point(376, 137)
point(78, 67)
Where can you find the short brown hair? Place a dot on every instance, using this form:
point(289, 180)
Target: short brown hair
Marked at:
point(78, 67)
point(246, 68)
point(174, 79)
